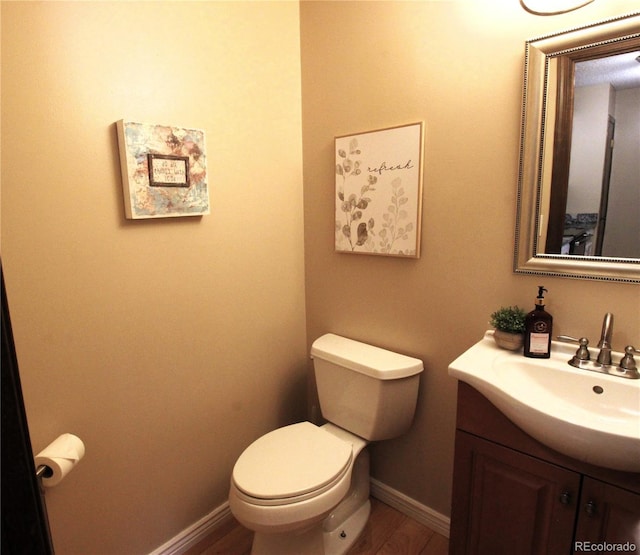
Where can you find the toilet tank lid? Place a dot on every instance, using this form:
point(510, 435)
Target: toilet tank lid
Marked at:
point(366, 359)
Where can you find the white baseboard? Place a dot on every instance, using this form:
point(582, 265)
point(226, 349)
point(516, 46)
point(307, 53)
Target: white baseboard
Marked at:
point(417, 511)
point(207, 525)
point(196, 532)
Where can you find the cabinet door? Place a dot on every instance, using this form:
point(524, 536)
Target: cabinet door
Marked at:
point(608, 516)
point(506, 503)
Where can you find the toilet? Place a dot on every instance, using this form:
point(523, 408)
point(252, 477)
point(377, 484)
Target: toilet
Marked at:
point(304, 489)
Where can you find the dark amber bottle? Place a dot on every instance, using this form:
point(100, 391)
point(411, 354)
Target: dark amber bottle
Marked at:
point(538, 327)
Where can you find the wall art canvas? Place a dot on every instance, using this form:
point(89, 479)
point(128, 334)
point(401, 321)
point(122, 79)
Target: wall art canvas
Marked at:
point(379, 191)
point(164, 170)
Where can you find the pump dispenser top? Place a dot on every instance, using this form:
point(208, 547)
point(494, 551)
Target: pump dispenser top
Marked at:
point(538, 326)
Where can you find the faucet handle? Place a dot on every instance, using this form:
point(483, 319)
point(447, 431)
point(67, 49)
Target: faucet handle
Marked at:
point(628, 362)
point(583, 351)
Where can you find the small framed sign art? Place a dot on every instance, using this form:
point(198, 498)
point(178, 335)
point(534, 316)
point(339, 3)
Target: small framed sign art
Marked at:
point(379, 191)
point(168, 171)
point(164, 170)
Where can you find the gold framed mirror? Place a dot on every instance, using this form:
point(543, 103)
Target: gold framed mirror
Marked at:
point(578, 204)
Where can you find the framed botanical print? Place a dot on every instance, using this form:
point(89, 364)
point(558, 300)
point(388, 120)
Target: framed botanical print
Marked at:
point(379, 191)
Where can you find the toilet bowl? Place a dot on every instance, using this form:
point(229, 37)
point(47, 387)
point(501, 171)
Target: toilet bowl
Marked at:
point(304, 489)
point(289, 481)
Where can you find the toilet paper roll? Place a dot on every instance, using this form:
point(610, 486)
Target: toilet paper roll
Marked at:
point(60, 456)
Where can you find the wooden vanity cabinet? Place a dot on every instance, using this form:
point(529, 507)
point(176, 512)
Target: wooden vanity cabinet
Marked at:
point(513, 495)
point(608, 513)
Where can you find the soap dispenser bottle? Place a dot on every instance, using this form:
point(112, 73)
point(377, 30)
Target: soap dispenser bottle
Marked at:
point(538, 326)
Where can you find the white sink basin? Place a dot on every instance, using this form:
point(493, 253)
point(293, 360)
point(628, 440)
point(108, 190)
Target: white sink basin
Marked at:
point(586, 415)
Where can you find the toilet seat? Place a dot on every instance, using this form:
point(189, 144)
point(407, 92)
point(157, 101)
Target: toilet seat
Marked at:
point(291, 464)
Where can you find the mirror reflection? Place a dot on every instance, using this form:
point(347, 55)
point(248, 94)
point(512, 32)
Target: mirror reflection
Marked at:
point(602, 210)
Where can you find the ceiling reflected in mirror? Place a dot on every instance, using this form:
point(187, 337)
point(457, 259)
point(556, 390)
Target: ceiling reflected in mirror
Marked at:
point(622, 71)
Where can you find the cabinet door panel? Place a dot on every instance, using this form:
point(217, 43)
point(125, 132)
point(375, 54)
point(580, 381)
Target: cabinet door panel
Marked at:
point(607, 514)
point(506, 502)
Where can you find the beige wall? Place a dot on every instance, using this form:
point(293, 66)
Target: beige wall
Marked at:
point(166, 345)
point(622, 225)
point(457, 66)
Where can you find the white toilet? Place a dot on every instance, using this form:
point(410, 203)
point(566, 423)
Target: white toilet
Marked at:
point(304, 489)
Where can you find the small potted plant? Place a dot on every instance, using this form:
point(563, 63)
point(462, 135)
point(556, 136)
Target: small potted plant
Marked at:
point(509, 325)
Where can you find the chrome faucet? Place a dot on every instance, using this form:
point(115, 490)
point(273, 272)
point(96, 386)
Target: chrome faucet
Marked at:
point(582, 359)
point(604, 356)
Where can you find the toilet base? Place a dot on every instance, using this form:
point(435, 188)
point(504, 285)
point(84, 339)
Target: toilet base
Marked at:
point(315, 541)
point(340, 540)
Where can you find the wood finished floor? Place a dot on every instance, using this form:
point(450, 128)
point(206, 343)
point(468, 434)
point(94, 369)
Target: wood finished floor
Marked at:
point(388, 532)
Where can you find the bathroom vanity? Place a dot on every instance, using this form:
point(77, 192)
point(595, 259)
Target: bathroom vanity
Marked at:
point(514, 495)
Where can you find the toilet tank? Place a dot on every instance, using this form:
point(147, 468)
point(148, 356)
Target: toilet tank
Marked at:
point(366, 390)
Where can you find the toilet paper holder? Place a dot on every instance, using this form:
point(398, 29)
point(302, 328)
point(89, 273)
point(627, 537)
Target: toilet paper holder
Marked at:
point(44, 471)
